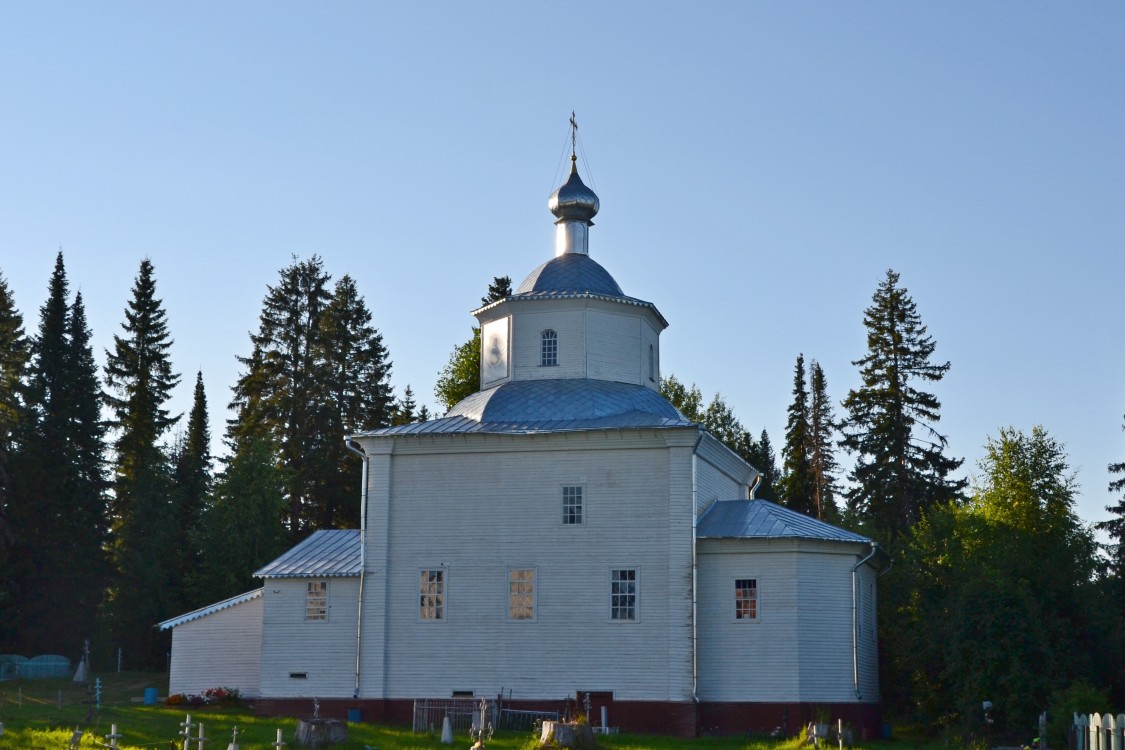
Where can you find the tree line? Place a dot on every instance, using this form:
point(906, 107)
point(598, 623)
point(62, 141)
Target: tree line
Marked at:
point(114, 515)
point(991, 591)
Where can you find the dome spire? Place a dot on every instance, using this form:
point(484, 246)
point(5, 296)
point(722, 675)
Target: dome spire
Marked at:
point(574, 205)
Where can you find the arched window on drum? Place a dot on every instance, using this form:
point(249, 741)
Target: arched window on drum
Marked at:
point(549, 349)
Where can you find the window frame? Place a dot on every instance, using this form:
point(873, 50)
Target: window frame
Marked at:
point(755, 600)
point(549, 336)
point(433, 604)
point(533, 593)
point(567, 508)
point(634, 607)
point(316, 603)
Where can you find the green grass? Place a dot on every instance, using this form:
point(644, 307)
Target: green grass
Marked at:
point(35, 721)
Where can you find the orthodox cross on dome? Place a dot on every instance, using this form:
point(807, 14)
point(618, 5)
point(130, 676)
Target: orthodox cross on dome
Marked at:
point(573, 137)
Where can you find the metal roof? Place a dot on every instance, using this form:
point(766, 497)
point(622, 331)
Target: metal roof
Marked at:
point(224, 604)
point(325, 554)
point(555, 405)
point(570, 272)
point(573, 200)
point(761, 519)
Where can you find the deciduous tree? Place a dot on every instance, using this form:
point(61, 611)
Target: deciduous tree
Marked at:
point(1000, 588)
point(460, 378)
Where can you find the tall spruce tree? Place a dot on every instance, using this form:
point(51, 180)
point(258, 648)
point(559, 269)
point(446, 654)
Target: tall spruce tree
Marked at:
point(40, 474)
point(144, 531)
point(900, 466)
point(761, 456)
point(14, 355)
point(798, 485)
point(406, 409)
point(241, 529)
point(279, 396)
point(1115, 528)
point(15, 352)
point(318, 372)
point(192, 471)
point(87, 484)
point(822, 441)
point(460, 378)
point(500, 288)
point(357, 395)
point(59, 483)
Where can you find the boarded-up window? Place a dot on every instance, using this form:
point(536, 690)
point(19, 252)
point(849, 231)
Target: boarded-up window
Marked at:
point(746, 599)
point(521, 594)
point(316, 600)
point(432, 600)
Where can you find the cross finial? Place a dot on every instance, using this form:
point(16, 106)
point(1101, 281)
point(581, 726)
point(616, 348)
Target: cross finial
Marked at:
point(573, 135)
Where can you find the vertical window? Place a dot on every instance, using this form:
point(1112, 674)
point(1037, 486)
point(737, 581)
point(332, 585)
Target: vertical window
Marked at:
point(432, 600)
point(623, 594)
point(572, 505)
point(521, 594)
point(549, 349)
point(746, 599)
point(316, 600)
point(651, 362)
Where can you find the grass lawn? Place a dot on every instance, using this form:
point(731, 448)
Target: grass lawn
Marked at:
point(32, 718)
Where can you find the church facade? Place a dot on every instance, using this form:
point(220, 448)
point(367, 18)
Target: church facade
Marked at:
point(564, 531)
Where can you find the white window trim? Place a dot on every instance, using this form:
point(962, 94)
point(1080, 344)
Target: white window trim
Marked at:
point(636, 594)
point(444, 594)
point(534, 594)
point(562, 504)
point(757, 599)
point(542, 341)
point(309, 599)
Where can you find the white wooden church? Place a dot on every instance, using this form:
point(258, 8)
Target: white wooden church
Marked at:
point(563, 531)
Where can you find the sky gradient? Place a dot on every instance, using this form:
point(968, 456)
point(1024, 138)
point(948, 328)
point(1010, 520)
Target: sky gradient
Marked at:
point(759, 165)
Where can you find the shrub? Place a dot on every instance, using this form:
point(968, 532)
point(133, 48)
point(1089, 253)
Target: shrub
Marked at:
point(1081, 698)
point(220, 696)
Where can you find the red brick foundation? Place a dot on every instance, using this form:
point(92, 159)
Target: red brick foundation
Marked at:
point(647, 717)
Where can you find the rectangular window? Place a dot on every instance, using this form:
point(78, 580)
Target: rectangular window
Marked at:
point(316, 600)
point(746, 599)
point(572, 505)
point(432, 600)
point(521, 594)
point(623, 594)
point(549, 349)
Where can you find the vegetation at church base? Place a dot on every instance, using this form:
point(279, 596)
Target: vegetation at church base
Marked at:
point(40, 723)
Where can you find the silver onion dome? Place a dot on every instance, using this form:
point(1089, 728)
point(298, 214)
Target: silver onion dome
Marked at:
point(573, 201)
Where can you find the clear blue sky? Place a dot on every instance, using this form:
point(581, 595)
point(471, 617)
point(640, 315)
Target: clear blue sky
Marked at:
point(760, 166)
